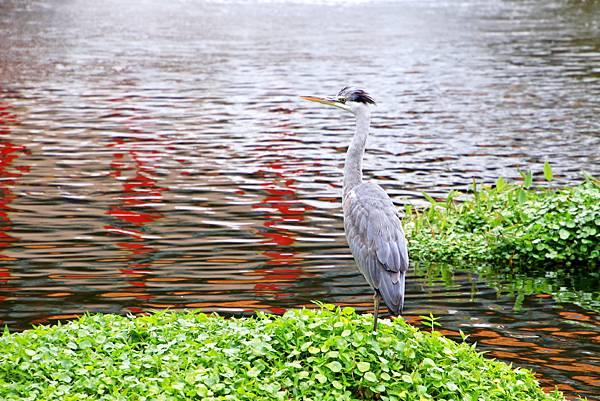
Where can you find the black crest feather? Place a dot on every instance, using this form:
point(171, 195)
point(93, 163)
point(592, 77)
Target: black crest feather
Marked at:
point(355, 95)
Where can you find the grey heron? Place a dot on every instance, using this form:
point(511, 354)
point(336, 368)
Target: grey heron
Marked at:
point(371, 222)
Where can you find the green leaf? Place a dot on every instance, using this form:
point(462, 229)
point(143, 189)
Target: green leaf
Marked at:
point(370, 376)
point(527, 179)
point(563, 234)
point(451, 386)
point(321, 378)
point(429, 198)
point(305, 346)
point(178, 386)
point(363, 366)
point(333, 354)
point(547, 171)
point(500, 184)
point(521, 195)
point(428, 362)
point(348, 310)
point(334, 366)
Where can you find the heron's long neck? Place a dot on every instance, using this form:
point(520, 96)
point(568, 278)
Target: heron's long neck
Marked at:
point(356, 150)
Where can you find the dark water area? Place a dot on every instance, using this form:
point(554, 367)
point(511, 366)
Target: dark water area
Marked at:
point(156, 155)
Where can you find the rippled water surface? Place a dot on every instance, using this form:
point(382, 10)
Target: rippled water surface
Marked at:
point(156, 155)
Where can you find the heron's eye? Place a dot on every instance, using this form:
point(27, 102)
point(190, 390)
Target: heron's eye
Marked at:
point(342, 99)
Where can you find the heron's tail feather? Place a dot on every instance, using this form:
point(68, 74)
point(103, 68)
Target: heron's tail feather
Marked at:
point(392, 291)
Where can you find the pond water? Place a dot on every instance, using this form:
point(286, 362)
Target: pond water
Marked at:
point(156, 155)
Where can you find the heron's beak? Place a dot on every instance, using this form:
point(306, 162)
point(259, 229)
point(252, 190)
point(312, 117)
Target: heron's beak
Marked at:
point(327, 101)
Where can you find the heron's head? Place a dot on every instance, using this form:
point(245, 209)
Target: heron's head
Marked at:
point(349, 99)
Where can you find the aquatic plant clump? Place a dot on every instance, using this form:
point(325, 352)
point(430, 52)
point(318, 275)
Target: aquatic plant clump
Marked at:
point(511, 224)
point(327, 354)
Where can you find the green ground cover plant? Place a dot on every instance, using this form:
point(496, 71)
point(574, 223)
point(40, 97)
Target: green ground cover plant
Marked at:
point(511, 224)
point(310, 354)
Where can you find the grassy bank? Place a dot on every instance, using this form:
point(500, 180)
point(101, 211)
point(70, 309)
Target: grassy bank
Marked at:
point(326, 354)
point(511, 224)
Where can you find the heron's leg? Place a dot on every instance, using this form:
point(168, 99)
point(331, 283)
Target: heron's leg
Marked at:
point(376, 305)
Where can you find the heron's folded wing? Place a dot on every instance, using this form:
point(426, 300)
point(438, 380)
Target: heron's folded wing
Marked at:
point(387, 239)
point(375, 235)
point(376, 224)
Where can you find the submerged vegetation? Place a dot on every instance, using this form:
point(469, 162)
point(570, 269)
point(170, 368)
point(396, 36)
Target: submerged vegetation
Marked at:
point(577, 286)
point(326, 354)
point(511, 224)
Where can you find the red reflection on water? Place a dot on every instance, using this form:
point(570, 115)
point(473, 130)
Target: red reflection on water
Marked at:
point(134, 164)
point(281, 206)
point(9, 153)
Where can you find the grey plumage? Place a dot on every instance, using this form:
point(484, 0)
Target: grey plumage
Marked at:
point(377, 241)
point(371, 222)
